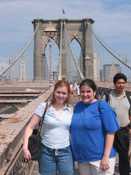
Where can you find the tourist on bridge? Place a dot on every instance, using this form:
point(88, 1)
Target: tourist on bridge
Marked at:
point(92, 133)
point(120, 101)
point(56, 154)
point(76, 88)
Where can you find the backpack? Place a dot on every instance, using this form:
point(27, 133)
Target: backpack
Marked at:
point(121, 138)
point(107, 97)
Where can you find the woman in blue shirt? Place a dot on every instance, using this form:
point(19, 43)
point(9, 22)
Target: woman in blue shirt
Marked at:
point(92, 133)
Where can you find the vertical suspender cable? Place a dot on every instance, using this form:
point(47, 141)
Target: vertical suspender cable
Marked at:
point(74, 60)
point(60, 54)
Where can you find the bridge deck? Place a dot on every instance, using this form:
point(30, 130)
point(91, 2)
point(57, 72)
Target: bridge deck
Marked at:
point(7, 101)
point(19, 94)
point(11, 133)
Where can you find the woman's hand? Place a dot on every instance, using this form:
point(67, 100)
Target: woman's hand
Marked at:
point(104, 164)
point(27, 154)
point(28, 131)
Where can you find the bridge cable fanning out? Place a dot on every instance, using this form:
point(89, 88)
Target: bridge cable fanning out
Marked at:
point(22, 51)
point(73, 57)
point(109, 50)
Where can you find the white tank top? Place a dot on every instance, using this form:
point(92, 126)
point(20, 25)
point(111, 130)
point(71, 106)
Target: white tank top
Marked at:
point(56, 126)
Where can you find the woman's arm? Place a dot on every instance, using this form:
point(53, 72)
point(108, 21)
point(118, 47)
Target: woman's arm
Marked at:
point(28, 131)
point(110, 126)
point(108, 146)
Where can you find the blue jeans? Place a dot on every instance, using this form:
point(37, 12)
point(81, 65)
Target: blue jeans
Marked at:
point(56, 160)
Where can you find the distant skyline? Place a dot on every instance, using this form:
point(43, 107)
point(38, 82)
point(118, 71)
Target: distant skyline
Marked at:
point(112, 21)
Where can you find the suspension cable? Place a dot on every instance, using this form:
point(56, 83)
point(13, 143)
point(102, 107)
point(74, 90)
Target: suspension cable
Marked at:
point(22, 51)
point(60, 54)
point(111, 52)
point(76, 65)
point(74, 59)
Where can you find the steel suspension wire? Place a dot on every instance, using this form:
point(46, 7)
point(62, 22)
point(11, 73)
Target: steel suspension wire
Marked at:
point(77, 66)
point(22, 51)
point(74, 60)
point(60, 54)
point(111, 52)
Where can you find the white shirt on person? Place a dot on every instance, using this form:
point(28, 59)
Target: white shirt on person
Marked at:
point(56, 125)
point(121, 106)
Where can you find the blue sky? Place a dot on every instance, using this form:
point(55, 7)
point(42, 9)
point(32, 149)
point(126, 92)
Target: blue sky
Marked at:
point(112, 21)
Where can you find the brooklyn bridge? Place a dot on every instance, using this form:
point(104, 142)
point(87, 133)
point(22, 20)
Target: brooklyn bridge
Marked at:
point(29, 77)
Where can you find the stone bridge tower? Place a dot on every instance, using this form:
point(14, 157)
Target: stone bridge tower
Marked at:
point(81, 30)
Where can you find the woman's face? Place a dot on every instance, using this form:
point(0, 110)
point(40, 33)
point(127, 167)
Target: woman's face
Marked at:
point(61, 95)
point(87, 94)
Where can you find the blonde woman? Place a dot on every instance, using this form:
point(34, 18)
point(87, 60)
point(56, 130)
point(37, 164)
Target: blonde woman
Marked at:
point(56, 154)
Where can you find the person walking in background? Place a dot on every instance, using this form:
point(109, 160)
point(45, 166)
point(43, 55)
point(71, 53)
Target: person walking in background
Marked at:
point(120, 101)
point(92, 133)
point(76, 88)
point(56, 154)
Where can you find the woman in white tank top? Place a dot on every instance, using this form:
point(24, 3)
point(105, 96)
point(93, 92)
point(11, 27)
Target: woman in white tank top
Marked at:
point(56, 154)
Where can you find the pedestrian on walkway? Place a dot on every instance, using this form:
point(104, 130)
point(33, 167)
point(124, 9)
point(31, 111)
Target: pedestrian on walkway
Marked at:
point(76, 88)
point(92, 133)
point(120, 101)
point(56, 154)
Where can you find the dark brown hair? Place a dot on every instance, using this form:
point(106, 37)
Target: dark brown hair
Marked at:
point(119, 76)
point(90, 83)
point(61, 83)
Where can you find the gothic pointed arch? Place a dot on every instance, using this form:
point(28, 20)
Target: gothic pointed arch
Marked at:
point(56, 29)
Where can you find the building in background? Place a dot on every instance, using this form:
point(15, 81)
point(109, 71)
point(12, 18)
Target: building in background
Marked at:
point(109, 70)
point(101, 75)
point(96, 68)
point(22, 70)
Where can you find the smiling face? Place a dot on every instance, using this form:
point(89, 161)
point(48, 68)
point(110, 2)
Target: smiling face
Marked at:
point(61, 95)
point(87, 94)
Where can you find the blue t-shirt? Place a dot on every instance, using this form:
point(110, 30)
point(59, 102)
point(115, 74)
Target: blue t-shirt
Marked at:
point(90, 124)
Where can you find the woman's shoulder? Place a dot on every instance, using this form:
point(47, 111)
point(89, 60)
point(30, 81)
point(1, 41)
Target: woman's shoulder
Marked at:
point(78, 106)
point(79, 103)
point(42, 106)
point(69, 107)
point(102, 102)
point(40, 109)
point(104, 105)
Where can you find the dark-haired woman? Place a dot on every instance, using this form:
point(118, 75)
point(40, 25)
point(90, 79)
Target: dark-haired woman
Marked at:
point(92, 133)
point(56, 154)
